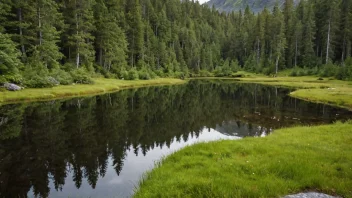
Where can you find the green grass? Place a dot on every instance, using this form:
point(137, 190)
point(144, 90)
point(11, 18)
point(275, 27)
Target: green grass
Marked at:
point(101, 85)
point(332, 92)
point(288, 161)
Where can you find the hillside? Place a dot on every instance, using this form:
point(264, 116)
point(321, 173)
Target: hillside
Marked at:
point(255, 5)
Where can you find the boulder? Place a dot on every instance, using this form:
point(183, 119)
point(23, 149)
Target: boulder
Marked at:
point(12, 87)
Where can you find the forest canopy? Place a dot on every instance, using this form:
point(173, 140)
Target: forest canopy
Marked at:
point(48, 42)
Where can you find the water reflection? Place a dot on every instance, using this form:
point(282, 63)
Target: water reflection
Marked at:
point(100, 146)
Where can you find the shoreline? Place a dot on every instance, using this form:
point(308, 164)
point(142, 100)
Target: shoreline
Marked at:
point(335, 93)
point(330, 92)
point(289, 161)
point(101, 86)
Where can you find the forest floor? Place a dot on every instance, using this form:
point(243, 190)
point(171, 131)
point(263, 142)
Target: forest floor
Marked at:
point(288, 161)
point(101, 85)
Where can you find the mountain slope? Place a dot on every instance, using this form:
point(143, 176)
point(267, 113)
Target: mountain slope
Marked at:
point(235, 5)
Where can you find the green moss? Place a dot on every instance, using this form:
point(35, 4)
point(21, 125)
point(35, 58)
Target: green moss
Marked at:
point(288, 161)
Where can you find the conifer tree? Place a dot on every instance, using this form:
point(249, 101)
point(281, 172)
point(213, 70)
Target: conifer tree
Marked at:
point(110, 39)
point(134, 31)
point(9, 62)
point(78, 36)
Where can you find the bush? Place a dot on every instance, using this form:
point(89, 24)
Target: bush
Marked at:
point(2, 80)
point(269, 70)
point(293, 73)
point(122, 74)
point(81, 76)
point(344, 73)
point(222, 72)
point(144, 75)
point(160, 73)
point(36, 81)
point(205, 73)
point(180, 75)
point(14, 78)
point(63, 77)
point(328, 70)
point(297, 71)
point(133, 75)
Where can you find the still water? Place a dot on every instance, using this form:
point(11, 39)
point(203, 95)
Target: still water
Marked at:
point(101, 146)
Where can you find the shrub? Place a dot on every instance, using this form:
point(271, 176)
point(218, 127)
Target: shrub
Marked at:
point(160, 73)
point(63, 77)
point(81, 76)
point(328, 70)
point(133, 74)
point(269, 70)
point(144, 75)
point(180, 75)
point(293, 73)
point(14, 78)
point(122, 74)
point(235, 66)
point(344, 73)
point(301, 72)
point(205, 73)
point(36, 81)
point(2, 80)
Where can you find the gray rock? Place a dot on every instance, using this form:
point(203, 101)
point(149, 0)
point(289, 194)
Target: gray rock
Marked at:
point(310, 195)
point(12, 87)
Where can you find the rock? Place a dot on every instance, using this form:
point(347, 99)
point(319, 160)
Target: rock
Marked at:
point(310, 195)
point(12, 87)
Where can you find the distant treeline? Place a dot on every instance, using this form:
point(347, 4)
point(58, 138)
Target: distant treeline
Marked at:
point(46, 42)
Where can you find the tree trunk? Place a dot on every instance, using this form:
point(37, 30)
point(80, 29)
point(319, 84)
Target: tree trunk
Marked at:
point(296, 51)
point(40, 27)
point(258, 51)
point(23, 49)
point(277, 64)
point(328, 43)
point(100, 56)
point(78, 55)
point(77, 58)
point(343, 51)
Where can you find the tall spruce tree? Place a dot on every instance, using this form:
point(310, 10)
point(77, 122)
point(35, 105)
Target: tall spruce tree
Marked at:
point(79, 37)
point(134, 31)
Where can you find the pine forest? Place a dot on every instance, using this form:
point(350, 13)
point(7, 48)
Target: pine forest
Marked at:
point(48, 42)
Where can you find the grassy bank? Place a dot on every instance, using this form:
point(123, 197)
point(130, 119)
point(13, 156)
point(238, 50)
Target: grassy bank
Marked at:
point(100, 86)
point(288, 161)
point(327, 91)
point(310, 88)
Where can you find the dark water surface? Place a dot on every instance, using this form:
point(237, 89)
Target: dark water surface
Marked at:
point(100, 146)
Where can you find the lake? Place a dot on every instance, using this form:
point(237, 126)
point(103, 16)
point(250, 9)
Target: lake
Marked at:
point(100, 146)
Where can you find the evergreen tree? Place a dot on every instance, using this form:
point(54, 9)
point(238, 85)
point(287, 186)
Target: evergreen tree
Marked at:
point(134, 31)
point(110, 39)
point(45, 22)
point(78, 36)
point(9, 62)
point(279, 40)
